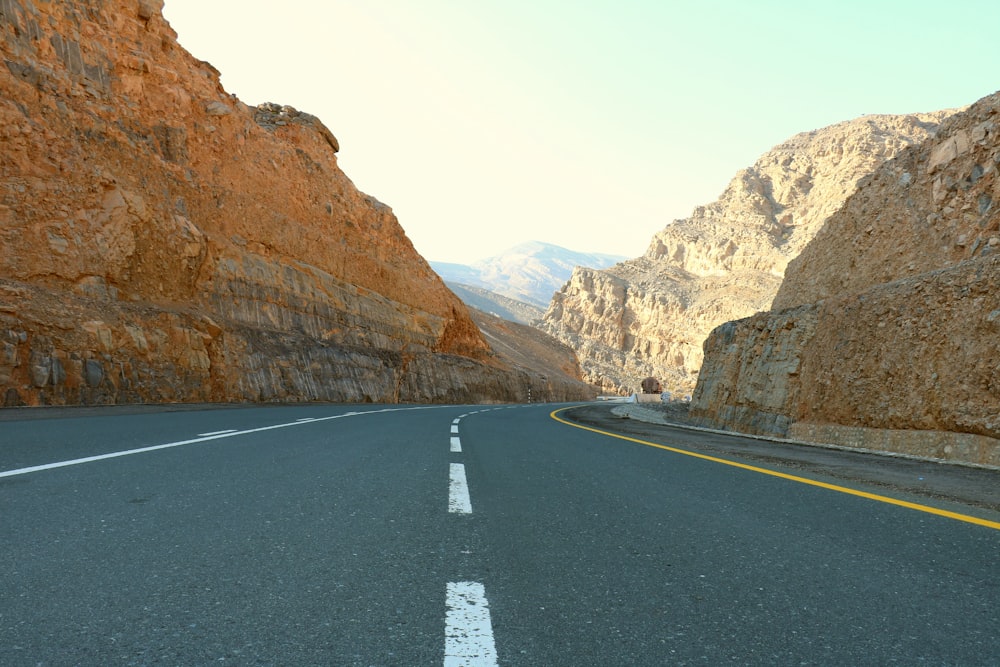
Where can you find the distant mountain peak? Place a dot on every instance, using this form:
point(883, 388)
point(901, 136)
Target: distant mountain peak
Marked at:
point(530, 272)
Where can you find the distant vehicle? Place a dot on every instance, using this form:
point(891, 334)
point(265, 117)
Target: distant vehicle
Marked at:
point(651, 386)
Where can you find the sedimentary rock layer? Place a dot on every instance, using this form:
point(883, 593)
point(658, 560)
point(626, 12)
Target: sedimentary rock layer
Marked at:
point(160, 240)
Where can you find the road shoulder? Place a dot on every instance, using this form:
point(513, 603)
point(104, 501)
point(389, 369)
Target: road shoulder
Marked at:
point(919, 478)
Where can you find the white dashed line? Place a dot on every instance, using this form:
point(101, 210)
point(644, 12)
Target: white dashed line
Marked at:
point(468, 636)
point(201, 438)
point(456, 445)
point(458, 491)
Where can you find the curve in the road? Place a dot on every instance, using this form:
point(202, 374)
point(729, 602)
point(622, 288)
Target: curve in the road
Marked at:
point(794, 478)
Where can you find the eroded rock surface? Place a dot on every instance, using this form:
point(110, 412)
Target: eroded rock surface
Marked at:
point(162, 241)
point(885, 333)
point(650, 316)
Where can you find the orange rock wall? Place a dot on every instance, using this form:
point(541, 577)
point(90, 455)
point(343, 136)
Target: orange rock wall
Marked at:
point(161, 240)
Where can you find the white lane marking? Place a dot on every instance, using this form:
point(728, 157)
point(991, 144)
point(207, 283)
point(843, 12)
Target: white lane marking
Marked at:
point(468, 633)
point(454, 428)
point(456, 445)
point(306, 419)
point(459, 501)
point(203, 435)
point(192, 441)
point(456, 421)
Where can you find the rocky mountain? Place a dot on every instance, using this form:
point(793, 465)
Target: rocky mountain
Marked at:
point(649, 316)
point(162, 241)
point(530, 272)
point(480, 298)
point(885, 333)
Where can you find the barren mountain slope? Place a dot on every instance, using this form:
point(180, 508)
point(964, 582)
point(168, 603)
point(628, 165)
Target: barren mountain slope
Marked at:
point(480, 298)
point(886, 330)
point(529, 272)
point(162, 241)
point(549, 368)
point(650, 315)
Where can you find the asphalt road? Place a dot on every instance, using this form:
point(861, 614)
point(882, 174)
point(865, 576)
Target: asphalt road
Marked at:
point(249, 537)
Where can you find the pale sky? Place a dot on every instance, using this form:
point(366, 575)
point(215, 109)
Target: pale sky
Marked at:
point(590, 124)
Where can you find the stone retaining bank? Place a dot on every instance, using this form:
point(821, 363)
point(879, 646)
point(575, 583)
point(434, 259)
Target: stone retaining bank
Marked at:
point(938, 445)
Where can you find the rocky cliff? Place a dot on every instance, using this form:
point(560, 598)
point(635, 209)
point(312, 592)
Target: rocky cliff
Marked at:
point(885, 333)
point(649, 316)
point(162, 241)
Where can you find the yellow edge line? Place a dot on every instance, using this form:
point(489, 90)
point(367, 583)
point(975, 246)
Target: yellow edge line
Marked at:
point(774, 473)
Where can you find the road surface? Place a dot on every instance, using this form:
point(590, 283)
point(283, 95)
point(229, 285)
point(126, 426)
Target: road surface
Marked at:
point(430, 535)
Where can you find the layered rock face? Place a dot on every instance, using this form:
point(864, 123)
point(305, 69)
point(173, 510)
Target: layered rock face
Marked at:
point(162, 241)
point(886, 330)
point(649, 316)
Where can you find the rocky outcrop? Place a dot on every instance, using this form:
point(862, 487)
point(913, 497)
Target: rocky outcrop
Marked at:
point(649, 316)
point(886, 329)
point(162, 241)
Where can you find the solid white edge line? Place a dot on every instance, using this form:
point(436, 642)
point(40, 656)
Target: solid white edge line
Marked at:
point(153, 448)
point(459, 501)
point(228, 430)
point(456, 445)
point(468, 634)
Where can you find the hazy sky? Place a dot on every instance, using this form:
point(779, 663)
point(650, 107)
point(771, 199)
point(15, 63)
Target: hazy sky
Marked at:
point(586, 123)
